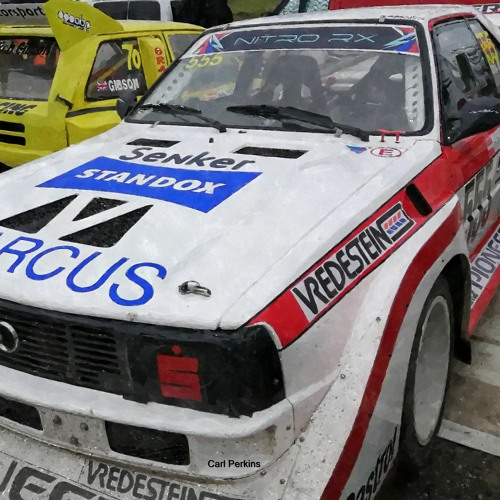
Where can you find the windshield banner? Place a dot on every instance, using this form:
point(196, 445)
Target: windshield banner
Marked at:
point(386, 38)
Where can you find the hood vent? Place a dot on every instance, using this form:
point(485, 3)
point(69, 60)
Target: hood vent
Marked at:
point(155, 143)
point(291, 154)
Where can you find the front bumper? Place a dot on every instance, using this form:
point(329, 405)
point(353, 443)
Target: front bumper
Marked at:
point(75, 418)
point(38, 470)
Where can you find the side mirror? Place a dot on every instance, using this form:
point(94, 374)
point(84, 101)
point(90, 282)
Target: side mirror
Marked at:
point(125, 103)
point(478, 115)
point(65, 101)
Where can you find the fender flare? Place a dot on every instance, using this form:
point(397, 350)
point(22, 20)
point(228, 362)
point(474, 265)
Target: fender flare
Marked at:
point(425, 258)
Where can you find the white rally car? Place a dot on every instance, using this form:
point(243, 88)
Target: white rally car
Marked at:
point(254, 285)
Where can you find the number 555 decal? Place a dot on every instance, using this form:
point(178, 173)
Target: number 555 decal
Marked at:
point(478, 199)
point(203, 61)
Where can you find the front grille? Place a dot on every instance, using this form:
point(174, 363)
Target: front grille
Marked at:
point(238, 371)
point(12, 133)
point(53, 347)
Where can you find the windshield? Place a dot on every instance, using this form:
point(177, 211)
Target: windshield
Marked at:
point(27, 67)
point(368, 77)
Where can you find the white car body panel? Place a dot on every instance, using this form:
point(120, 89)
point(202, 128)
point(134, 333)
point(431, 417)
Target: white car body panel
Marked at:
point(276, 224)
point(215, 237)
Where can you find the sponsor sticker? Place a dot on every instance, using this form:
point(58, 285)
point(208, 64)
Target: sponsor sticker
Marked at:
point(373, 481)
point(357, 149)
point(75, 22)
point(407, 42)
point(381, 152)
point(17, 478)
point(485, 264)
point(26, 47)
point(69, 267)
point(202, 160)
point(396, 223)
point(350, 262)
point(211, 44)
point(126, 484)
point(123, 84)
point(386, 152)
point(161, 62)
point(117, 85)
point(488, 47)
point(99, 481)
point(29, 12)
point(488, 8)
point(14, 108)
point(200, 190)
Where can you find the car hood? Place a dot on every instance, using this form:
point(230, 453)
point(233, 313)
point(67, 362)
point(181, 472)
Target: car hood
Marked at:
point(113, 227)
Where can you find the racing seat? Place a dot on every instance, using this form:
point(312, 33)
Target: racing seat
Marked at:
point(294, 80)
point(377, 101)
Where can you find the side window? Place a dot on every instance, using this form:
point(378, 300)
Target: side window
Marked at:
point(181, 41)
point(463, 70)
point(117, 69)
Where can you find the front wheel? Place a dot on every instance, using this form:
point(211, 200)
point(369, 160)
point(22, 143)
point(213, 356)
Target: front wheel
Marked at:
point(427, 380)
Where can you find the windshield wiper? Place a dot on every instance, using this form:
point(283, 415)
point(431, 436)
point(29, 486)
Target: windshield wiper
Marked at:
point(166, 107)
point(301, 115)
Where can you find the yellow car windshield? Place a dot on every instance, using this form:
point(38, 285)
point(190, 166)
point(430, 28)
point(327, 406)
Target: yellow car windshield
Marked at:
point(27, 67)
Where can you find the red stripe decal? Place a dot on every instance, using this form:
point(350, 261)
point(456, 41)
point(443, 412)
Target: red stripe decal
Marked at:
point(427, 255)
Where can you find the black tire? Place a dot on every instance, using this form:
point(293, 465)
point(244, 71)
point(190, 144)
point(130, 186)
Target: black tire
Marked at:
point(414, 454)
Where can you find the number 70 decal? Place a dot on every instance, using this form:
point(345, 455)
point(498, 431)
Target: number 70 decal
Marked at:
point(134, 56)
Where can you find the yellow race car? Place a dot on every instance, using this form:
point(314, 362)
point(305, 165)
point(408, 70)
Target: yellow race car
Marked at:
point(59, 82)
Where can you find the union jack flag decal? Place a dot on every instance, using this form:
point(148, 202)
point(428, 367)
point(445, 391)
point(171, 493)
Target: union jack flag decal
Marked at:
point(102, 86)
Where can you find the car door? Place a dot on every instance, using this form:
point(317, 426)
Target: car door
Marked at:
point(469, 74)
point(117, 69)
point(155, 57)
point(159, 52)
